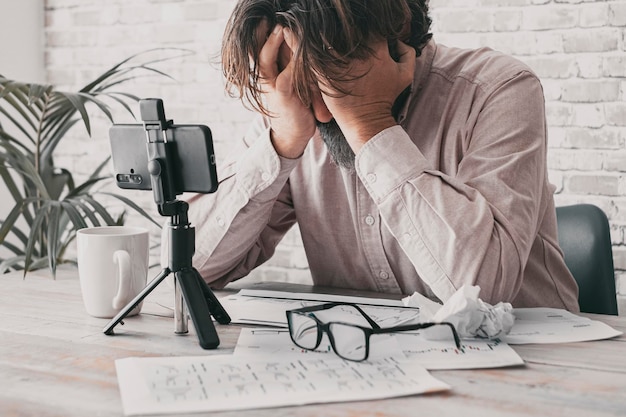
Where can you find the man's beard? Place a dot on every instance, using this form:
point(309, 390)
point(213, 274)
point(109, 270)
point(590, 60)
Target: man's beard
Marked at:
point(338, 147)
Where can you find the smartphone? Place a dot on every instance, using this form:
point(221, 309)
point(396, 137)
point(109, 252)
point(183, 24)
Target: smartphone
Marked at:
point(189, 149)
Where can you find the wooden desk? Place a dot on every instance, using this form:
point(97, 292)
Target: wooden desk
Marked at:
point(55, 361)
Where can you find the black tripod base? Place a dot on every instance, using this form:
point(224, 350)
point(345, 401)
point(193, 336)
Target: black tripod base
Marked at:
point(200, 300)
point(202, 304)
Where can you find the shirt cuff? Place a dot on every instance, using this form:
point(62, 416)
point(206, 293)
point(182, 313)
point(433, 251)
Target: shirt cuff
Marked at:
point(387, 161)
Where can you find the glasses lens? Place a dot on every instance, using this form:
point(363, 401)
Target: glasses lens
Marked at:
point(303, 330)
point(350, 341)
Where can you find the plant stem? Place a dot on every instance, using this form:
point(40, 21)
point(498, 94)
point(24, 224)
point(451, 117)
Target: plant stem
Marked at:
point(42, 234)
point(39, 133)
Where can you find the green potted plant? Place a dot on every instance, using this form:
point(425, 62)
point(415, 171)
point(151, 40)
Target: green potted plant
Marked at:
point(49, 205)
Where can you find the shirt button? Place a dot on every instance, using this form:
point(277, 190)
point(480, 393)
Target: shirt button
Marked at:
point(369, 220)
point(220, 222)
point(383, 275)
point(265, 176)
point(371, 178)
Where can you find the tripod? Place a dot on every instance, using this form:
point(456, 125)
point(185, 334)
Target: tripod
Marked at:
point(200, 300)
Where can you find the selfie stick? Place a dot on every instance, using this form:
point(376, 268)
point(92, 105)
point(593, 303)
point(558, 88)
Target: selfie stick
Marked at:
point(200, 300)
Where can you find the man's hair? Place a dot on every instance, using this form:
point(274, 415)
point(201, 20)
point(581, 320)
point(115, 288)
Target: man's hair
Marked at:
point(331, 34)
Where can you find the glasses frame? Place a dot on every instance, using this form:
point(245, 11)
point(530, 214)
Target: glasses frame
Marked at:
point(368, 331)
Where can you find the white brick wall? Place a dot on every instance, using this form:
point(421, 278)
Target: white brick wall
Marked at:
point(578, 48)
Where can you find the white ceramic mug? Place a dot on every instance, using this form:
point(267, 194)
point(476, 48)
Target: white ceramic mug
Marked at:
point(112, 267)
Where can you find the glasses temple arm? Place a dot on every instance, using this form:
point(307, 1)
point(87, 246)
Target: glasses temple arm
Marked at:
point(370, 321)
point(419, 326)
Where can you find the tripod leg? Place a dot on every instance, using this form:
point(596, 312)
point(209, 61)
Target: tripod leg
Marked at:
point(198, 308)
point(108, 330)
point(215, 307)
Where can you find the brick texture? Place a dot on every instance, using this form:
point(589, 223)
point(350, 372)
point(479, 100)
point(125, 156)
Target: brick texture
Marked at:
point(577, 47)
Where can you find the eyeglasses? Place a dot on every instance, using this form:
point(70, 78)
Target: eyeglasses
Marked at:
point(348, 340)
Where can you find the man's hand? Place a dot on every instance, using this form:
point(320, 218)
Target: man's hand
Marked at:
point(292, 124)
point(366, 111)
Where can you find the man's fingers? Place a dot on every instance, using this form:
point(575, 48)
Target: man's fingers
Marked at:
point(260, 34)
point(268, 57)
point(290, 39)
point(406, 52)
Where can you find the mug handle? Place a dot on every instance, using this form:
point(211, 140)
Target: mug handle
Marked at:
point(122, 259)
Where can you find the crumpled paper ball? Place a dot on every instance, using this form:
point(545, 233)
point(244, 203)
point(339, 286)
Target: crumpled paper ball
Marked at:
point(471, 317)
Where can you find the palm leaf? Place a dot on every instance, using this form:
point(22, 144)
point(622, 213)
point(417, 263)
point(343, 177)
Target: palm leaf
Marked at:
point(13, 248)
point(86, 210)
point(100, 210)
point(24, 102)
point(37, 91)
point(99, 168)
point(24, 166)
point(134, 206)
point(74, 215)
point(120, 101)
point(53, 231)
point(8, 224)
point(12, 263)
point(84, 187)
point(26, 118)
point(119, 67)
point(56, 132)
point(17, 232)
point(16, 263)
point(78, 103)
point(35, 230)
point(9, 221)
point(12, 187)
point(63, 248)
point(104, 108)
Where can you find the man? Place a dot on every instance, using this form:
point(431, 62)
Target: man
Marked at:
point(408, 166)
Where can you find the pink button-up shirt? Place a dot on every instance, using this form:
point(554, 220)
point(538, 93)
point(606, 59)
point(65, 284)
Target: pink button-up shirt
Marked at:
point(456, 194)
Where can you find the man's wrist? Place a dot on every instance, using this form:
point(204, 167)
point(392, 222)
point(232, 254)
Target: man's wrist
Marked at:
point(358, 135)
point(290, 149)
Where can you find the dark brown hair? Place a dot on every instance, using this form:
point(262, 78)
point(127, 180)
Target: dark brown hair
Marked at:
point(331, 34)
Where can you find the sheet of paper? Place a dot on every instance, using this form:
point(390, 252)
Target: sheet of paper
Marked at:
point(551, 325)
point(431, 354)
point(442, 354)
point(247, 307)
point(170, 385)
